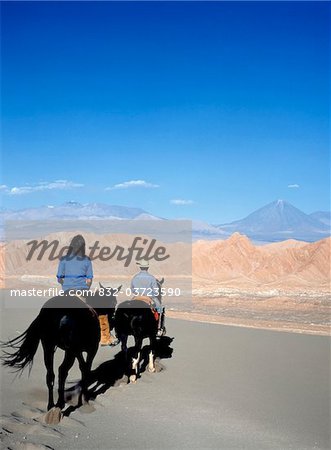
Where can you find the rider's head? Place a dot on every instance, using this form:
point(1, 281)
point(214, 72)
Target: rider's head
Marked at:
point(77, 246)
point(143, 264)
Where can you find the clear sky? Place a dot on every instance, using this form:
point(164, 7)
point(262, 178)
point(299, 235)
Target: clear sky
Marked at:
point(186, 109)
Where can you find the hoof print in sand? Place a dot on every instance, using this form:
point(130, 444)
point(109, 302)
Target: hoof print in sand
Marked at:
point(29, 446)
point(87, 408)
point(53, 416)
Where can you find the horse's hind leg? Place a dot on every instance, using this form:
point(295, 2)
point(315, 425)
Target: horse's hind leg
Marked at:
point(50, 376)
point(124, 343)
point(135, 359)
point(151, 356)
point(69, 359)
point(85, 368)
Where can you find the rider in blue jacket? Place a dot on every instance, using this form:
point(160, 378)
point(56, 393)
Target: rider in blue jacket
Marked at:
point(75, 274)
point(75, 268)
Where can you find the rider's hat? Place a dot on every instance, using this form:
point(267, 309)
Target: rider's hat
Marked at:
point(143, 263)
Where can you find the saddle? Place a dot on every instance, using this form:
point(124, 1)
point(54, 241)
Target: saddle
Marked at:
point(86, 305)
point(143, 298)
point(149, 301)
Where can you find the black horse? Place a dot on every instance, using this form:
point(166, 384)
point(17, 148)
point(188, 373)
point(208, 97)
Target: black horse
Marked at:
point(71, 324)
point(136, 318)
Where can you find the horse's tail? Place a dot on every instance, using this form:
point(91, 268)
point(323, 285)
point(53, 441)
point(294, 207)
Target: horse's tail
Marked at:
point(26, 345)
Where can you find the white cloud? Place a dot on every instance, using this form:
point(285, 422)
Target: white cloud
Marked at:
point(179, 201)
point(293, 186)
point(3, 188)
point(132, 184)
point(44, 186)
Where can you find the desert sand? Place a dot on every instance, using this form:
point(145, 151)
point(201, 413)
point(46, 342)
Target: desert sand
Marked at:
point(223, 387)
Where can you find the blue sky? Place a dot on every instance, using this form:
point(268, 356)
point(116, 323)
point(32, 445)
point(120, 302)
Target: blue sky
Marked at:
point(200, 110)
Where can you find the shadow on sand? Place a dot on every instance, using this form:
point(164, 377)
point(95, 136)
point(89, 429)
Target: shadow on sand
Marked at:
point(116, 371)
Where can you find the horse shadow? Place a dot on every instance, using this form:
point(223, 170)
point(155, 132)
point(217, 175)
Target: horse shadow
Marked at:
point(116, 371)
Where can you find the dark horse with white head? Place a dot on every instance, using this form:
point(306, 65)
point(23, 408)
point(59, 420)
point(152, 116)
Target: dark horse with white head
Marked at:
point(136, 318)
point(71, 324)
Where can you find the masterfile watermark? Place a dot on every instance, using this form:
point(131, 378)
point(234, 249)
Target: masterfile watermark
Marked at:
point(140, 248)
point(34, 292)
point(34, 251)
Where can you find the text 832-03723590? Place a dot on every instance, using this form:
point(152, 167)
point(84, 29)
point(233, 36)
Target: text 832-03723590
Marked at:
point(149, 292)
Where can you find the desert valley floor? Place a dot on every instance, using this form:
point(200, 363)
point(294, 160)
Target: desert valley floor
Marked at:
point(222, 387)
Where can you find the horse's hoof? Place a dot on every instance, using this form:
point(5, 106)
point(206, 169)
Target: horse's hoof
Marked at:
point(53, 416)
point(133, 379)
point(151, 369)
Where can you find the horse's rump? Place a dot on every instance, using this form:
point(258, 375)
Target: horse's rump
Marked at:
point(69, 322)
point(65, 302)
point(135, 317)
point(134, 305)
point(143, 298)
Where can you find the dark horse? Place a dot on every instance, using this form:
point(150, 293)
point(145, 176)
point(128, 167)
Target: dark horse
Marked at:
point(69, 323)
point(136, 318)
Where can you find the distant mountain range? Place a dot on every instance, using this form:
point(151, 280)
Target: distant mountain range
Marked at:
point(274, 222)
point(217, 265)
point(77, 211)
point(280, 220)
point(237, 262)
point(322, 216)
